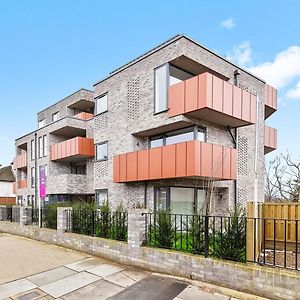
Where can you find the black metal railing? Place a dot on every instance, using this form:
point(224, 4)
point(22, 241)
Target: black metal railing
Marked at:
point(9, 214)
point(113, 225)
point(216, 236)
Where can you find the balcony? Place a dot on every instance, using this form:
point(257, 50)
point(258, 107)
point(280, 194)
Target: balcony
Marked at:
point(270, 139)
point(72, 150)
point(82, 100)
point(84, 116)
point(20, 162)
point(212, 99)
point(270, 100)
point(192, 159)
point(22, 184)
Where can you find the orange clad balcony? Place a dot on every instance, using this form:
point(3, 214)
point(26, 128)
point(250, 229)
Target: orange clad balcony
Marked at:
point(22, 184)
point(20, 161)
point(72, 150)
point(84, 116)
point(270, 100)
point(270, 139)
point(210, 98)
point(189, 159)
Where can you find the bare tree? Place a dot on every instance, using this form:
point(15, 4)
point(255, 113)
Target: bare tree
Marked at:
point(283, 179)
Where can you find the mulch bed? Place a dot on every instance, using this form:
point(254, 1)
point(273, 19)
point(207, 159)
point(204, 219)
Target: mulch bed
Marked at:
point(280, 258)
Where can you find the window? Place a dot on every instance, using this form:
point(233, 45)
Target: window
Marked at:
point(32, 177)
point(180, 200)
point(41, 123)
point(179, 136)
point(101, 151)
point(101, 104)
point(40, 146)
point(55, 116)
point(178, 75)
point(32, 149)
point(45, 145)
point(80, 170)
point(166, 76)
point(161, 85)
point(101, 196)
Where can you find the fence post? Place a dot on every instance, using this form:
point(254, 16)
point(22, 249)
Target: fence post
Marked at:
point(136, 227)
point(64, 219)
point(23, 215)
point(3, 213)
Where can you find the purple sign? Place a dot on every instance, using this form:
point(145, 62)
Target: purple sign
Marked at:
point(43, 177)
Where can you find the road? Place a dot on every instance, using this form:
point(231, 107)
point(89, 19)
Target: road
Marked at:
point(35, 270)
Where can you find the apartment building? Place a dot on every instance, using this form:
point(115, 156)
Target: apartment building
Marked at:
point(164, 131)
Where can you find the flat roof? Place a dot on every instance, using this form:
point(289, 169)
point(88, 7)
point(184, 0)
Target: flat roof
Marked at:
point(166, 43)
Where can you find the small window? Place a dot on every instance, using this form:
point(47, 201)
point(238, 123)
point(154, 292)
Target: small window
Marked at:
point(80, 170)
point(55, 116)
point(32, 149)
point(101, 196)
point(201, 134)
point(161, 198)
point(101, 104)
point(41, 123)
point(156, 142)
point(101, 151)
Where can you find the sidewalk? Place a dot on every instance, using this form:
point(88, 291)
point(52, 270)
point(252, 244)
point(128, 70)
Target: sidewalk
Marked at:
point(34, 270)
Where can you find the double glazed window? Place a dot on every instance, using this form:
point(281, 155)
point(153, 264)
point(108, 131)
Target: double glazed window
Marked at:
point(179, 200)
point(101, 196)
point(101, 104)
point(32, 149)
point(41, 123)
point(165, 76)
point(43, 146)
point(179, 136)
point(101, 151)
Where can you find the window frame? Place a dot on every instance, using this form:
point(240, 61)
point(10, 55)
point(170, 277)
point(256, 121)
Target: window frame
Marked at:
point(32, 177)
point(32, 149)
point(154, 85)
point(44, 123)
point(195, 130)
point(96, 103)
point(45, 145)
point(100, 190)
point(96, 152)
point(55, 114)
point(40, 146)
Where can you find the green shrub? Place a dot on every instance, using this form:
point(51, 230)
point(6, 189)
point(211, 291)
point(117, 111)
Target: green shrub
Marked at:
point(197, 234)
point(162, 231)
point(230, 242)
point(49, 214)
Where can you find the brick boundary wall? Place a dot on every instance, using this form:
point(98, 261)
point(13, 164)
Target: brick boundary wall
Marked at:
point(264, 281)
point(7, 200)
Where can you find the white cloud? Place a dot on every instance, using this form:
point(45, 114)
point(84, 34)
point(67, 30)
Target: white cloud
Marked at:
point(294, 93)
point(228, 23)
point(241, 54)
point(280, 72)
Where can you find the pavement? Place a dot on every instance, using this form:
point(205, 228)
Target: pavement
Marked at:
point(31, 270)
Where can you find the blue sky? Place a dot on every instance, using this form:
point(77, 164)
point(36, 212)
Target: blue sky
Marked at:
point(49, 49)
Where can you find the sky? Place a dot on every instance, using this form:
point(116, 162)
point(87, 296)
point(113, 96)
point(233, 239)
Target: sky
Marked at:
point(49, 49)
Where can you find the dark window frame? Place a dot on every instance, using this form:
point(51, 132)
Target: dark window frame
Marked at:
point(100, 190)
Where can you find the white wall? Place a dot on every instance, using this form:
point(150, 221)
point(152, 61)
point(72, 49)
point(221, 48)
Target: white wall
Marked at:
point(6, 189)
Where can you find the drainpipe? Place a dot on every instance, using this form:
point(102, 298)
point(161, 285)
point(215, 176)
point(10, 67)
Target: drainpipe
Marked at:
point(145, 195)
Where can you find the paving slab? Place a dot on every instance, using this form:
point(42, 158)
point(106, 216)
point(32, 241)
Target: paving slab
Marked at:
point(21, 257)
point(15, 287)
point(152, 288)
point(85, 264)
point(98, 290)
point(135, 274)
point(69, 284)
point(195, 293)
point(51, 276)
point(31, 295)
point(105, 270)
point(120, 279)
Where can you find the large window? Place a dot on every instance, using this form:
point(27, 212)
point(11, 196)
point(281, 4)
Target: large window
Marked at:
point(32, 149)
point(40, 146)
point(45, 145)
point(179, 200)
point(165, 76)
point(101, 196)
point(179, 136)
point(101, 151)
point(101, 104)
point(55, 116)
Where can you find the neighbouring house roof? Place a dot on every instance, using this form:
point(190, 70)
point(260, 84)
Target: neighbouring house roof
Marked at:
point(7, 174)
